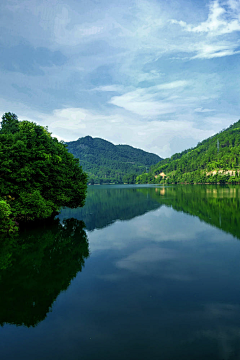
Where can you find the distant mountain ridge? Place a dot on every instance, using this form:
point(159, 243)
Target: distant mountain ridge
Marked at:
point(106, 162)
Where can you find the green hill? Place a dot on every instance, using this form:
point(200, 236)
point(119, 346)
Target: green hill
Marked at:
point(214, 160)
point(109, 163)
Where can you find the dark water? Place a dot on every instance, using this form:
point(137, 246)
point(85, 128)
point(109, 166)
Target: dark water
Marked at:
point(138, 273)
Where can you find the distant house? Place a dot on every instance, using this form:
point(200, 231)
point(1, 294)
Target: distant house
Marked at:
point(161, 174)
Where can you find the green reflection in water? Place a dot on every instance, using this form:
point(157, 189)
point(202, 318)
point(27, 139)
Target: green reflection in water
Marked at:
point(36, 266)
point(215, 205)
point(106, 204)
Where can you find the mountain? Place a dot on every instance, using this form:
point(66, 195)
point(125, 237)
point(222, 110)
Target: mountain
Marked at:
point(106, 162)
point(214, 160)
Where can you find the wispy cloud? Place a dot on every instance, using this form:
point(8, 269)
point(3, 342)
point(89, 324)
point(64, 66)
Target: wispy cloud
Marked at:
point(173, 85)
point(212, 41)
point(221, 20)
point(143, 103)
point(110, 88)
point(220, 49)
point(151, 101)
point(159, 137)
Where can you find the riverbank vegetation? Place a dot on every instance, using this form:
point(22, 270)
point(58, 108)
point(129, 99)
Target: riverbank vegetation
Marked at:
point(38, 175)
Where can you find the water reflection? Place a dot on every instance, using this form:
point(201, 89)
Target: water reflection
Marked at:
point(161, 286)
point(105, 205)
point(215, 205)
point(36, 266)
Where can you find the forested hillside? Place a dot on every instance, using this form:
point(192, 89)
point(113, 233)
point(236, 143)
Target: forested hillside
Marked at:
point(214, 160)
point(109, 163)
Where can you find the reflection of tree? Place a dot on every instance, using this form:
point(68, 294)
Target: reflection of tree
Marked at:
point(215, 205)
point(106, 205)
point(36, 267)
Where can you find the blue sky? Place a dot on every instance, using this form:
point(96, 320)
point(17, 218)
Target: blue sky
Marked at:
point(157, 75)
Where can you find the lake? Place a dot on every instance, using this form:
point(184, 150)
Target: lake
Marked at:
point(140, 272)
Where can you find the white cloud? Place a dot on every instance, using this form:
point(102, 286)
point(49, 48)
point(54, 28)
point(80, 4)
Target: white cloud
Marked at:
point(206, 38)
point(150, 102)
point(173, 85)
point(220, 20)
point(209, 51)
point(154, 136)
point(110, 88)
point(234, 5)
point(143, 104)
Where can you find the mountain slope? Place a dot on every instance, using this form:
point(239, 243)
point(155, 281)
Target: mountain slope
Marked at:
point(106, 162)
point(214, 160)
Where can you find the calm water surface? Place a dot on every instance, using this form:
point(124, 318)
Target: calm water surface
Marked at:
point(141, 272)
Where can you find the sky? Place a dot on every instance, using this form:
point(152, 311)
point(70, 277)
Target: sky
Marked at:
point(156, 75)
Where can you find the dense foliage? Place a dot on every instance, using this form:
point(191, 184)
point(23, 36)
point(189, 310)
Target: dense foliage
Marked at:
point(7, 225)
point(37, 173)
point(214, 160)
point(108, 163)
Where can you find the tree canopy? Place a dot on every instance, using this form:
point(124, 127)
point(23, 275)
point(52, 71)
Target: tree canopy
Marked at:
point(37, 173)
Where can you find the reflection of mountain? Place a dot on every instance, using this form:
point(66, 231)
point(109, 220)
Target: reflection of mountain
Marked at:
point(215, 205)
point(36, 267)
point(106, 205)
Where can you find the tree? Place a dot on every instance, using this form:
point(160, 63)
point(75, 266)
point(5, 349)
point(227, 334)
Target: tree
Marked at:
point(37, 173)
point(9, 123)
point(7, 225)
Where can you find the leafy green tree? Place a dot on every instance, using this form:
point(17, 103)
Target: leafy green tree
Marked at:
point(9, 123)
point(7, 225)
point(38, 175)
